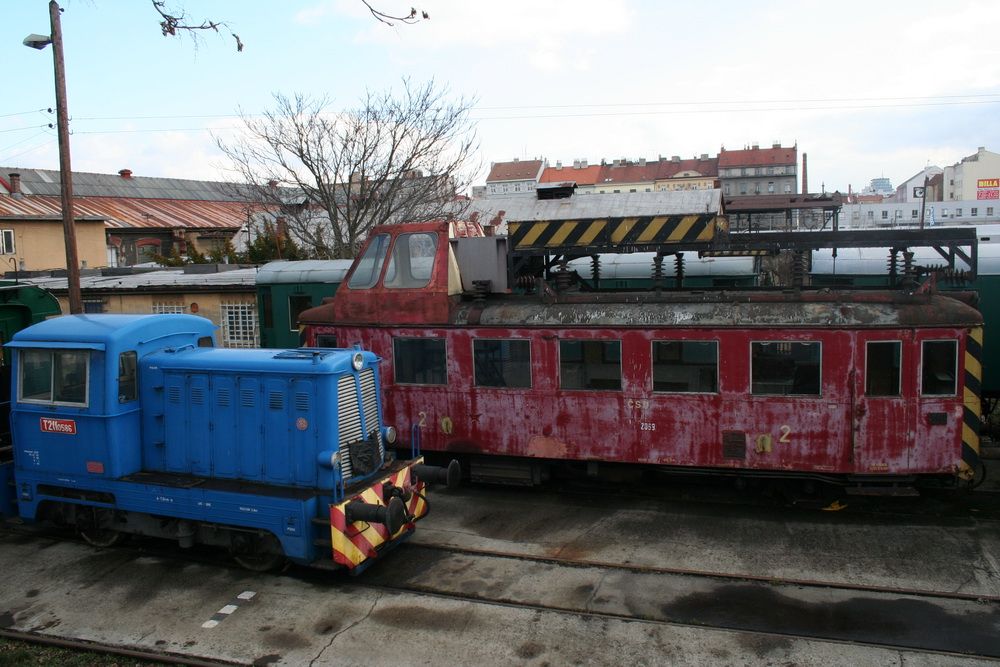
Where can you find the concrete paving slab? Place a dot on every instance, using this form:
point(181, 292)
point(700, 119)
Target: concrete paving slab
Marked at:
point(128, 599)
point(945, 555)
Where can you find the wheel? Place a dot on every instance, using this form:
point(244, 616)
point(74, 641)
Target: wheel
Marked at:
point(258, 553)
point(101, 537)
point(92, 524)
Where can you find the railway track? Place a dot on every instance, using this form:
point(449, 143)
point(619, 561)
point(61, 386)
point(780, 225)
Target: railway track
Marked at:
point(898, 618)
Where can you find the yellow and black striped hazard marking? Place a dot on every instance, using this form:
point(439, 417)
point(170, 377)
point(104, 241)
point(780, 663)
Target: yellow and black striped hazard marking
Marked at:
point(607, 232)
point(972, 406)
point(354, 543)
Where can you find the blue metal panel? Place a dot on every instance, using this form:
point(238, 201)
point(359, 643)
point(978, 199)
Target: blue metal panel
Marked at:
point(199, 425)
point(224, 438)
point(304, 440)
point(175, 422)
point(250, 432)
point(277, 453)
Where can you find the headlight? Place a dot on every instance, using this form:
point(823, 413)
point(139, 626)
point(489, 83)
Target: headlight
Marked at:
point(358, 361)
point(390, 434)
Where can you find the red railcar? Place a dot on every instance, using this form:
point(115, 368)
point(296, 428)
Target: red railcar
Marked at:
point(860, 387)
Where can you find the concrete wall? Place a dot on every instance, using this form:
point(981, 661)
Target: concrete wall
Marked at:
point(40, 244)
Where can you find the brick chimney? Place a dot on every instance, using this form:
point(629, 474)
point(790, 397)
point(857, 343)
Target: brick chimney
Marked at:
point(15, 185)
point(805, 174)
point(125, 173)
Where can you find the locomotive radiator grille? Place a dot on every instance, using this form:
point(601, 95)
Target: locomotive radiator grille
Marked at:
point(349, 422)
point(370, 405)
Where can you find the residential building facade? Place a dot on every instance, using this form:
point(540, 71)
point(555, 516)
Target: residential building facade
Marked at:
point(976, 177)
point(517, 177)
point(759, 171)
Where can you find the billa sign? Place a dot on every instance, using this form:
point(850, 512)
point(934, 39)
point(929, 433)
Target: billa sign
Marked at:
point(988, 188)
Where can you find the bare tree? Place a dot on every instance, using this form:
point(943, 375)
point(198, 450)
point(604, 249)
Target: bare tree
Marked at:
point(333, 176)
point(176, 22)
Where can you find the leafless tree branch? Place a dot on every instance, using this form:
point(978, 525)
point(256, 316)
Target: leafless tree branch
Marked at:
point(392, 159)
point(174, 23)
point(413, 17)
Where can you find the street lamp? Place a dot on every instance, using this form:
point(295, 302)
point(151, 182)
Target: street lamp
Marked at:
point(65, 172)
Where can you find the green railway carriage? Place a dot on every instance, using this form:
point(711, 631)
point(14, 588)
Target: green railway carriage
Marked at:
point(286, 288)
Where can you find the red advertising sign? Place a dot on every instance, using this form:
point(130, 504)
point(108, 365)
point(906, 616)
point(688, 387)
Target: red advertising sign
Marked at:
point(988, 183)
point(49, 425)
point(988, 194)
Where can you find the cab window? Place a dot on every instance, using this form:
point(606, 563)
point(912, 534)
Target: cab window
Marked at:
point(54, 376)
point(368, 268)
point(127, 373)
point(412, 260)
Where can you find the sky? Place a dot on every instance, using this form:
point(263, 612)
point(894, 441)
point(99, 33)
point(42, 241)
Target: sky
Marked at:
point(866, 89)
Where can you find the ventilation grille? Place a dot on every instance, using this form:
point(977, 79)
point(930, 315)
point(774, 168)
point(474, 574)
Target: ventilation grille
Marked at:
point(369, 401)
point(276, 400)
point(246, 398)
point(349, 421)
point(302, 401)
point(198, 395)
point(223, 398)
point(174, 394)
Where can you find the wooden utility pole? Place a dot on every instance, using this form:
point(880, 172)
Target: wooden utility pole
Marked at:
point(65, 171)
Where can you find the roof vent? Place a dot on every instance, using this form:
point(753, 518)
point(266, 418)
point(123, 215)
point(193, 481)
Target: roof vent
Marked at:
point(125, 173)
point(775, 144)
point(675, 158)
point(754, 146)
point(704, 156)
point(15, 185)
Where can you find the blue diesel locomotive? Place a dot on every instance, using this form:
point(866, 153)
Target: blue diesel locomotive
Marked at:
point(137, 424)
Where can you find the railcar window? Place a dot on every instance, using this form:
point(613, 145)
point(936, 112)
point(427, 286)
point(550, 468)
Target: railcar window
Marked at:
point(939, 368)
point(882, 362)
point(127, 390)
point(370, 266)
point(54, 376)
point(296, 304)
point(420, 360)
point(206, 341)
point(785, 368)
point(590, 364)
point(266, 307)
point(685, 366)
point(502, 363)
point(326, 340)
point(412, 260)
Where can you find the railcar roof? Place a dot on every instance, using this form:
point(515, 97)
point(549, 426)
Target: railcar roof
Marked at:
point(304, 271)
point(734, 311)
point(111, 328)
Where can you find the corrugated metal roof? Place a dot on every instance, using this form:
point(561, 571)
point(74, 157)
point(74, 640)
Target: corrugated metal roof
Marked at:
point(131, 212)
point(46, 182)
point(156, 280)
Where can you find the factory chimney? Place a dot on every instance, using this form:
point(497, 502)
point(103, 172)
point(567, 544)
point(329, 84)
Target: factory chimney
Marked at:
point(805, 174)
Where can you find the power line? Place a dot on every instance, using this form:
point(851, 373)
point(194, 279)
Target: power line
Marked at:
point(30, 150)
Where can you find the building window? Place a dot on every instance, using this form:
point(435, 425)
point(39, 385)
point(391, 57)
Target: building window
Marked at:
point(756, 188)
point(648, 190)
point(7, 241)
point(504, 187)
point(502, 363)
point(743, 188)
point(239, 325)
point(493, 189)
point(958, 213)
point(726, 188)
point(420, 360)
point(989, 210)
point(939, 368)
point(59, 377)
point(885, 215)
point(770, 187)
point(127, 373)
point(770, 171)
point(944, 212)
point(296, 304)
point(974, 212)
point(686, 366)
point(167, 308)
point(913, 214)
point(590, 364)
point(616, 191)
point(788, 188)
point(785, 368)
point(882, 364)
point(517, 187)
point(93, 306)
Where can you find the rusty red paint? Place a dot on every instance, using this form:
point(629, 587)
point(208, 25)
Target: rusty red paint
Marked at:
point(838, 431)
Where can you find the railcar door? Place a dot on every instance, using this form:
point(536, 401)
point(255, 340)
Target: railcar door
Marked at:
point(938, 418)
point(884, 389)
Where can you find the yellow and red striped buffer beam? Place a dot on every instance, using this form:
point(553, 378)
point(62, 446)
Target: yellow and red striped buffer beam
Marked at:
point(354, 543)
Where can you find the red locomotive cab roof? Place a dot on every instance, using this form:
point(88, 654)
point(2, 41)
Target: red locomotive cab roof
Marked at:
point(404, 274)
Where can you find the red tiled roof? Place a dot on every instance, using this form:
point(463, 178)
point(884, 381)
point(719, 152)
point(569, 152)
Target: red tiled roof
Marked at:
point(579, 175)
point(122, 212)
point(669, 168)
point(518, 170)
point(757, 157)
